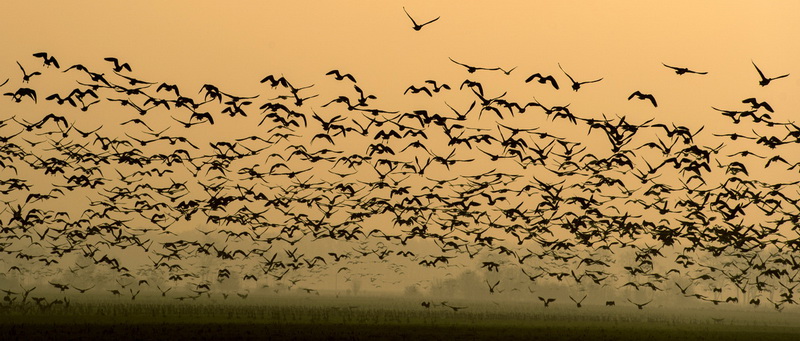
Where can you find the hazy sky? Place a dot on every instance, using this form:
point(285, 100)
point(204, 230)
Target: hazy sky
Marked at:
point(235, 45)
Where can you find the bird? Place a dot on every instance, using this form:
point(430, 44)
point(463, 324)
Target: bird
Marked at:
point(643, 96)
point(758, 105)
point(455, 308)
point(418, 27)
point(47, 59)
point(20, 93)
point(436, 86)
point(340, 76)
point(415, 90)
point(201, 116)
point(472, 69)
point(26, 77)
point(546, 301)
point(83, 290)
point(117, 66)
point(764, 79)
point(683, 70)
point(492, 288)
point(640, 305)
point(578, 302)
point(542, 79)
point(508, 72)
point(577, 85)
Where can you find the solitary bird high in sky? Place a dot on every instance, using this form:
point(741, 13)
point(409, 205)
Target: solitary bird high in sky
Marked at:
point(418, 27)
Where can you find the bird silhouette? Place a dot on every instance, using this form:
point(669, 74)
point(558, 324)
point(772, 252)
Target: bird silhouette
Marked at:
point(337, 74)
point(418, 27)
point(47, 60)
point(546, 301)
point(683, 70)
point(473, 69)
point(117, 66)
point(764, 79)
point(640, 306)
point(542, 79)
point(643, 96)
point(757, 105)
point(577, 85)
point(578, 302)
point(26, 77)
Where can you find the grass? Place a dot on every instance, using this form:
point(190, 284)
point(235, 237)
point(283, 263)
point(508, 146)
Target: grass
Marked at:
point(392, 319)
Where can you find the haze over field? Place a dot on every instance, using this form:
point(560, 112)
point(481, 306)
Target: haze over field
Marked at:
point(558, 155)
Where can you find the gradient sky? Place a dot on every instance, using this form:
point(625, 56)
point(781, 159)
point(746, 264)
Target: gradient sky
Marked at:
point(234, 45)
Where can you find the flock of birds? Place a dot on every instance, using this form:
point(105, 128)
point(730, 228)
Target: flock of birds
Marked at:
point(331, 183)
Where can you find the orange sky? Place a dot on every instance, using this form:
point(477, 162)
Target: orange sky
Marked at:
point(233, 46)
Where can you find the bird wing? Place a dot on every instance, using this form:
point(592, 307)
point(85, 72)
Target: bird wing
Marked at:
point(452, 60)
point(671, 67)
point(759, 70)
point(409, 16)
point(568, 76)
point(552, 81)
point(653, 100)
point(532, 77)
point(437, 18)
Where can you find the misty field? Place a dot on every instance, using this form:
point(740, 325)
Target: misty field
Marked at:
point(389, 318)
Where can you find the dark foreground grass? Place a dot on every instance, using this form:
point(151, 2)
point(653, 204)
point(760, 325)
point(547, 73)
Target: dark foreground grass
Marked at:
point(289, 331)
point(373, 320)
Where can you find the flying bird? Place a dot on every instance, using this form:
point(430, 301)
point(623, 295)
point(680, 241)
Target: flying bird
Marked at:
point(683, 70)
point(26, 77)
point(415, 90)
point(117, 66)
point(418, 27)
point(542, 79)
point(577, 85)
point(48, 60)
point(757, 105)
point(764, 79)
point(640, 305)
point(578, 302)
point(20, 93)
point(642, 96)
point(472, 69)
point(546, 301)
point(339, 76)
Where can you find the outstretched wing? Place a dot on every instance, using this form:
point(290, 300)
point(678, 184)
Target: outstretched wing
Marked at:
point(568, 76)
point(437, 18)
point(652, 100)
point(671, 67)
point(759, 70)
point(409, 16)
